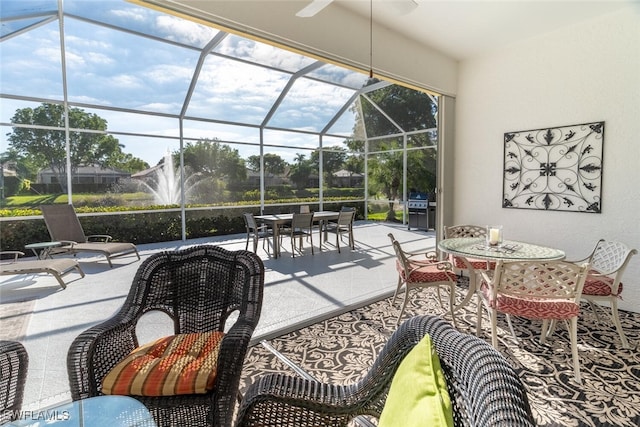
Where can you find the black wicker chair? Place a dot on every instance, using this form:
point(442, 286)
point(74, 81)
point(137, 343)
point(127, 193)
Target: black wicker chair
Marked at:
point(484, 389)
point(14, 362)
point(199, 288)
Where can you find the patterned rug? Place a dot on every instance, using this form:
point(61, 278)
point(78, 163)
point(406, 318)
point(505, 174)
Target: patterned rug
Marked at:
point(14, 319)
point(341, 350)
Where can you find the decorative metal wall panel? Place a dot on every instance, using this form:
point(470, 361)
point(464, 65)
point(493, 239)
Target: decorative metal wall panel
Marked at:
point(554, 168)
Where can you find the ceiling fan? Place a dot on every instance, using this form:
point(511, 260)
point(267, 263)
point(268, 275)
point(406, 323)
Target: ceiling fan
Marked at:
point(404, 6)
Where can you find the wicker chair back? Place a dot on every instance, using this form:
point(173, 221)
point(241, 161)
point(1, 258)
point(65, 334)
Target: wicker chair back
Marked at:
point(484, 388)
point(201, 288)
point(14, 362)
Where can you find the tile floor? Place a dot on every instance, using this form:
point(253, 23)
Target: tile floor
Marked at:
point(298, 291)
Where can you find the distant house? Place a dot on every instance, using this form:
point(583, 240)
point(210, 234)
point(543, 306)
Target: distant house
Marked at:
point(148, 174)
point(270, 179)
point(345, 178)
point(9, 169)
point(92, 174)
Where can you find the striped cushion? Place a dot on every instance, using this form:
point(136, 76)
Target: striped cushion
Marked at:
point(179, 364)
point(425, 273)
point(477, 264)
point(600, 286)
point(532, 308)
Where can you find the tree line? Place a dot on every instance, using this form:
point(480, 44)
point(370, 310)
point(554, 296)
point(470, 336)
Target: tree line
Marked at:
point(36, 144)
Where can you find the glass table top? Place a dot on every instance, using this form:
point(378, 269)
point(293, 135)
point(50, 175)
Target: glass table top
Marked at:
point(508, 250)
point(100, 411)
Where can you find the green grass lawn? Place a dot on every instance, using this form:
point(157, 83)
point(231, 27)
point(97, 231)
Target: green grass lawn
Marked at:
point(140, 198)
point(30, 201)
point(382, 216)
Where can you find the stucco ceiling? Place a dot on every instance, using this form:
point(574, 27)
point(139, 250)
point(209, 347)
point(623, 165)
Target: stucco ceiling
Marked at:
point(460, 29)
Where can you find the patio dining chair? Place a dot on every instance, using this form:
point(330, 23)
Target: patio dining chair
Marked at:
point(214, 298)
point(608, 261)
point(343, 225)
point(301, 228)
point(285, 229)
point(422, 273)
point(483, 388)
point(14, 362)
point(537, 290)
point(256, 232)
point(468, 230)
point(64, 226)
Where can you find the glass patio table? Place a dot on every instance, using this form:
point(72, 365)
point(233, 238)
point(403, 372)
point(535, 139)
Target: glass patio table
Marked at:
point(42, 250)
point(510, 250)
point(99, 411)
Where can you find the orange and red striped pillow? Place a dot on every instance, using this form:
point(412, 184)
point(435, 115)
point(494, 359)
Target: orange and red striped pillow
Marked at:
point(179, 364)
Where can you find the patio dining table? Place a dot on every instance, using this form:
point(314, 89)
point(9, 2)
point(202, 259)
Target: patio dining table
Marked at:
point(275, 221)
point(509, 250)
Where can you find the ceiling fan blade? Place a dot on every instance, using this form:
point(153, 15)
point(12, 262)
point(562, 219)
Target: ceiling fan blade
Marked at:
point(312, 8)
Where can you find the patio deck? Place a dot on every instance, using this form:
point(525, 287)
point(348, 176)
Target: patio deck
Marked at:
point(298, 292)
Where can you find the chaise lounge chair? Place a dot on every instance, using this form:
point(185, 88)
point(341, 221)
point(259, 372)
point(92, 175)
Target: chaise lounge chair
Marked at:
point(64, 227)
point(56, 267)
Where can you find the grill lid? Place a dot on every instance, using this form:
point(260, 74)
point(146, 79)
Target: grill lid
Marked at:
point(418, 195)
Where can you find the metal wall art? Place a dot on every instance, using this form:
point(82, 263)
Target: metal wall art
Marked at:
point(554, 168)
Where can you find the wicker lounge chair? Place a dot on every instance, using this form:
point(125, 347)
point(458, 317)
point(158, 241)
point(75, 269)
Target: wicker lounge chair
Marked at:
point(14, 362)
point(484, 389)
point(56, 267)
point(64, 226)
point(200, 288)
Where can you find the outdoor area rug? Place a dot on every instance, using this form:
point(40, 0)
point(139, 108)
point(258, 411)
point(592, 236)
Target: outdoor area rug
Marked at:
point(341, 350)
point(14, 318)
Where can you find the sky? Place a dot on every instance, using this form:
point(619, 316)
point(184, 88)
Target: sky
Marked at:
point(108, 67)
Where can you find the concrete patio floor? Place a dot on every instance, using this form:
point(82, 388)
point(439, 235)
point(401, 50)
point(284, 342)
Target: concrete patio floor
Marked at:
point(298, 291)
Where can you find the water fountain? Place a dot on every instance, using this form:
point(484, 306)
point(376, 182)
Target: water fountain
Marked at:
point(167, 180)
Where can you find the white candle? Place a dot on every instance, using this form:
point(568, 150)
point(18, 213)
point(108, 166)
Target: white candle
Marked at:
point(494, 236)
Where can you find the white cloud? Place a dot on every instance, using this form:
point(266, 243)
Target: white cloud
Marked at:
point(167, 73)
point(262, 53)
point(184, 31)
point(159, 106)
point(88, 100)
point(119, 69)
point(97, 58)
point(130, 14)
point(82, 43)
point(124, 81)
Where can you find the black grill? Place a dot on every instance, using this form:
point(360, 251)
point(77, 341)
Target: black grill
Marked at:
point(421, 211)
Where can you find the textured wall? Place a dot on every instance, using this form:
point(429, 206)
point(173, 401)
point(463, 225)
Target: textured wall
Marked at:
point(583, 73)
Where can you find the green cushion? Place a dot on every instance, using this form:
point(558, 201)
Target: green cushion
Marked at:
point(418, 395)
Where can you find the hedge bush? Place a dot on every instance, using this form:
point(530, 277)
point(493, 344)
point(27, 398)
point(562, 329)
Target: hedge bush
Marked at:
point(139, 227)
point(134, 227)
